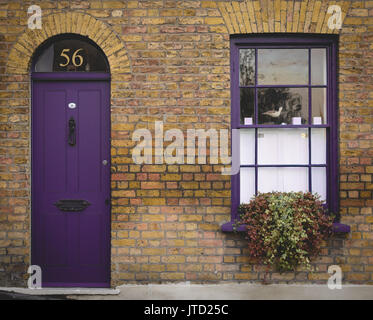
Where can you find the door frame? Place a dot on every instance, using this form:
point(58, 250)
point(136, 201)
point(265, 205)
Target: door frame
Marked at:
point(79, 77)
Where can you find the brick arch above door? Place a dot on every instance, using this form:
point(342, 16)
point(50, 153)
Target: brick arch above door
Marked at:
point(301, 16)
point(20, 56)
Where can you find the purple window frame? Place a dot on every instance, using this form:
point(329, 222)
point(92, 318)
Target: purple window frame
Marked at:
point(330, 42)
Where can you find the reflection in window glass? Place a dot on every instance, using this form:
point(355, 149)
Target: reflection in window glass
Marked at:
point(247, 67)
point(45, 61)
point(283, 146)
point(247, 184)
point(247, 146)
point(283, 66)
point(282, 179)
point(247, 104)
point(318, 67)
point(319, 182)
point(319, 115)
point(283, 105)
point(318, 146)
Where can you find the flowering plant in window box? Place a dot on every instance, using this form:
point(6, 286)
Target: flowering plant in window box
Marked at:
point(285, 229)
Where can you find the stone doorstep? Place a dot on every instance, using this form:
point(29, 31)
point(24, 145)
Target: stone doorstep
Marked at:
point(61, 291)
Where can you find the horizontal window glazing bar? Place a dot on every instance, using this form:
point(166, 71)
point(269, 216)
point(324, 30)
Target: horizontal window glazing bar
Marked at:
point(283, 165)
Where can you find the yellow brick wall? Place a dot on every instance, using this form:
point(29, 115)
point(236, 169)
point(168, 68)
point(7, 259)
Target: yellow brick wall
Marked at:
point(170, 62)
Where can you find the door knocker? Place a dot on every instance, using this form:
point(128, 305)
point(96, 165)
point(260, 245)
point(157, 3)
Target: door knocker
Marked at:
point(72, 132)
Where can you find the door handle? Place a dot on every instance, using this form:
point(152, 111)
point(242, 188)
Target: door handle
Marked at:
point(72, 132)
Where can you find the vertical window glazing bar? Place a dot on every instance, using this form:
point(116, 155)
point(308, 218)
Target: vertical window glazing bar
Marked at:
point(256, 121)
point(310, 121)
point(256, 161)
point(256, 111)
point(309, 160)
point(332, 121)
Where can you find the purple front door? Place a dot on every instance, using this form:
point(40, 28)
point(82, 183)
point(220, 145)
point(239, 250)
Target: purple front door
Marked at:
point(71, 182)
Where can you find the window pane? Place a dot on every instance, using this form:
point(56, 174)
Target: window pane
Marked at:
point(283, 106)
point(247, 184)
point(283, 66)
point(318, 66)
point(247, 67)
point(282, 179)
point(319, 182)
point(45, 61)
point(283, 146)
point(247, 104)
point(247, 146)
point(319, 106)
point(318, 146)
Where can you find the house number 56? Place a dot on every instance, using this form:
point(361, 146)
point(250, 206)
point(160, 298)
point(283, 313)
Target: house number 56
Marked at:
point(76, 59)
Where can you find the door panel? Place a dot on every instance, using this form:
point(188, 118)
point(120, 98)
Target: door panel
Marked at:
point(89, 133)
point(72, 248)
point(53, 111)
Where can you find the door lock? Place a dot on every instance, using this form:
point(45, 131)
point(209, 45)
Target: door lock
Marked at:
point(105, 162)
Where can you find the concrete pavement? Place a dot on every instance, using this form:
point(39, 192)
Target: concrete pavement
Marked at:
point(226, 291)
